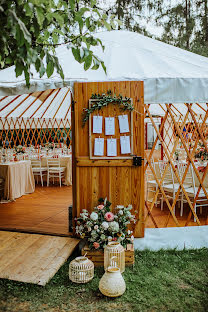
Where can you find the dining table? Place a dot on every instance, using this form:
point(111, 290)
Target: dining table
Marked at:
point(18, 179)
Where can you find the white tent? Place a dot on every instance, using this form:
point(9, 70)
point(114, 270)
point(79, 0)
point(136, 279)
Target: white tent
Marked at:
point(170, 74)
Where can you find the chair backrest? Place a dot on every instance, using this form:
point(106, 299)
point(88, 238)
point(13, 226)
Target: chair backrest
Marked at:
point(36, 163)
point(149, 175)
point(190, 178)
point(169, 178)
point(53, 162)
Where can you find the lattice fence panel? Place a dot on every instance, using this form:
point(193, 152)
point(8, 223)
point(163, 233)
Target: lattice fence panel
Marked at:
point(177, 182)
point(34, 131)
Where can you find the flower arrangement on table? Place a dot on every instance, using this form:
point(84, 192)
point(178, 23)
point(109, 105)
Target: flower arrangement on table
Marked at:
point(102, 226)
point(49, 146)
point(201, 151)
point(19, 149)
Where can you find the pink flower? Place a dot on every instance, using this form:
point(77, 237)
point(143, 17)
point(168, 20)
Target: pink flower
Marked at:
point(100, 207)
point(109, 216)
point(114, 239)
point(96, 245)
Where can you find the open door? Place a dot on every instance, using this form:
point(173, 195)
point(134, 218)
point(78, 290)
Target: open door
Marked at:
point(117, 179)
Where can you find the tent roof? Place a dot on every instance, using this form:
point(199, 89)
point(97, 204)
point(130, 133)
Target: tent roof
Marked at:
point(47, 104)
point(170, 74)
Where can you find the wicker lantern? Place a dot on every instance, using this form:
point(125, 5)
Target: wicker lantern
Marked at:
point(114, 255)
point(81, 270)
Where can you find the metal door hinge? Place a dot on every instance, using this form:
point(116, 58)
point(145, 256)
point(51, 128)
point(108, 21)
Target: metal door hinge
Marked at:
point(137, 161)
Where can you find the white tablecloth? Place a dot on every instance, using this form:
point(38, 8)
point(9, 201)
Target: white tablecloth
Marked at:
point(19, 179)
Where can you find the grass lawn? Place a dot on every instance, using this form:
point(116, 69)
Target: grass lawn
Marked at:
point(159, 281)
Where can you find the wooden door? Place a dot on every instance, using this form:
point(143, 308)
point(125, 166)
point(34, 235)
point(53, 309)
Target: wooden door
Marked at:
point(117, 179)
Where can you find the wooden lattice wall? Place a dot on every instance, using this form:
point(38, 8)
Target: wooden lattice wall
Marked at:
point(34, 131)
point(186, 132)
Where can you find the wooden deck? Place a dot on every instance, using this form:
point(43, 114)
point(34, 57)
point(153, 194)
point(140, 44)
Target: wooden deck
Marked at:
point(33, 258)
point(160, 217)
point(44, 211)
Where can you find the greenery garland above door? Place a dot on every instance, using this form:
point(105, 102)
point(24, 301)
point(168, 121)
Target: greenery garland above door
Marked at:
point(103, 100)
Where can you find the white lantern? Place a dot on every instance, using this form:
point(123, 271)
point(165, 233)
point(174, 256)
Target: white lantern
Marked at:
point(81, 270)
point(114, 255)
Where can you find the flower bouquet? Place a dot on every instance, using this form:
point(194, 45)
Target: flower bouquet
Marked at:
point(19, 149)
point(102, 226)
point(201, 151)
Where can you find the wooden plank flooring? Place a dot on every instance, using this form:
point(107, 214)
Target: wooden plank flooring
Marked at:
point(44, 211)
point(160, 217)
point(33, 258)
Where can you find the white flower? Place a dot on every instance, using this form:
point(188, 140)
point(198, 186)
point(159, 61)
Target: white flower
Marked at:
point(96, 227)
point(105, 225)
point(119, 206)
point(129, 232)
point(129, 207)
point(84, 210)
point(94, 216)
point(89, 229)
point(132, 238)
point(128, 213)
point(110, 238)
point(102, 237)
point(120, 212)
point(114, 226)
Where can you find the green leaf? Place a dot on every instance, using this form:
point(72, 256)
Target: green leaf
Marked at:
point(88, 62)
point(104, 67)
point(19, 67)
point(28, 9)
point(76, 54)
point(37, 64)
point(55, 38)
point(42, 70)
point(107, 26)
point(40, 16)
point(22, 26)
point(27, 77)
point(95, 66)
point(50, 68)
point(79, 19)
point(59, 18)
point(19, 36)
point(72, 4)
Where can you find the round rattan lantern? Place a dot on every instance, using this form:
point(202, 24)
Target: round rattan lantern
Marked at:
point(81, 270)
point(114, 255)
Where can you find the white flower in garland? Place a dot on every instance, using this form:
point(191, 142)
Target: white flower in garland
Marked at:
point(105, 225)
point(114, 226)
point(94, 216)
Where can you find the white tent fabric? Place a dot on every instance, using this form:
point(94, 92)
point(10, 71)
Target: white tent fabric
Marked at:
point(56, 106)
point(170, 74)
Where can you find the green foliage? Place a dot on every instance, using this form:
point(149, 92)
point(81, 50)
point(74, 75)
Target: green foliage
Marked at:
point(159, 281)
point(184, 23)
point(32, 29)
point(103, 100)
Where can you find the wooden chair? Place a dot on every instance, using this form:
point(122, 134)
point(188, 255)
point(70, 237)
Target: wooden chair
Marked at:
point(38, 170)
point(151, 183)
point(168, 184)
point(54, 170)
point(192, 190)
